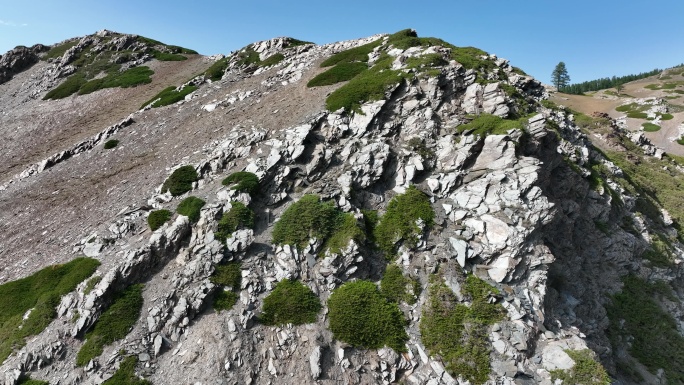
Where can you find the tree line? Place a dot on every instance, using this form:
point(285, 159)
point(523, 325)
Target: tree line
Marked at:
point(604, 83)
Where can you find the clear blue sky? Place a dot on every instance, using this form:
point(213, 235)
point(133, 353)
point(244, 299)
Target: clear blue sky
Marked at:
point(594, 38)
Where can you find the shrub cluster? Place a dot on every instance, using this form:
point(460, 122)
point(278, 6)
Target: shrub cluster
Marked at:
point(125, 375)
point(244, 181)
point(238, 217)
point(487, 124)
point(111, 144)
point(228, 278)
point(361, 316)
point(157, 218)
point(216, 71)
point(28, 381)
point(114, 324)
point(396, 288)
point(191, 207)
point(457, 332)
point(169, 96)
point(587, 371)
point(400, 222)
point(180, 181)
point(129, 78)
point(339, 73)
point(272, 60)
point(166, 56)
point(291, 302)
point(41, 292)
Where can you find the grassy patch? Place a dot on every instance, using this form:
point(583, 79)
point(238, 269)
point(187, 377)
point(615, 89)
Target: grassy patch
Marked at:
point(180, 181)
point(458, 333)
point(229, 278)
point(248, 56)
point(169, 96)
point(238, 217)
point(157, 218)
point(400, 222)
point(664, 86)
point(357, 54)
point(487, 124)
point(125, 375)
point(59, 50)
point(272, 60)
point(129, 78)
point(396, 288)
point(90, 285)
point(339, 73)
point(69, 87)
point(666, 116)
point(28, 381)
point(190, 207)
point(587, 371)
point(242, 181)
point(367, 86)
point(110, 144)
point(638, 321)
point(41, 292)
point(114, 324)
point(216, 71)
point(166, 56)
point(361, 316)
point(650, 127)
point(637, 115)
point(291, 302)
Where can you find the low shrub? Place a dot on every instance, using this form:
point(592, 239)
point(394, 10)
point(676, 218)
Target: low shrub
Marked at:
point(666, 116)
point(400, 222)
point(114, 324)
point(180, 181)
point(457, 332)
point(216, 71)
point(229, 279)
point(92, 282)
point(487, 124)
point(224, 299)
point(361, 316)
point(245, 182)
point(69, 87)
point(130, 78)
point(41, 292)
point(396, 288)
point(29, 381)
point(650, 127)
point(111, 144)
point(125, 375)
point(165, 56)
point(291, 302)
point(59, 50)
point(272, 60)
point(157, 218)
point(238, 217)
point(169, 96)
point(346, 228)
point(637, 115)
point(357, 54)
point(191, 207)
point(339, 73)
point(367, 86)
point(587, 371)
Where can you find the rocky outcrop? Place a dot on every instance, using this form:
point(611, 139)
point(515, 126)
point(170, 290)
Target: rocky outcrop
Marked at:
point(19, 59)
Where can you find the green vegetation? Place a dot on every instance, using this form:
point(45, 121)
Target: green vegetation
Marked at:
point(169, 96)
point(90, 285)
point(28, 381)
point(559, 76)
point(400, 222)
point(367, 86)
point(248, 56)
point(587, 371)
point(111, 144)
point(180, 181)
point(245, 182)
point(396, 288)
point(125, 375)
point(664, 86)
point(228, 278)
point(418, 146)
point(166, 56)
point(59, 50)
point(650, 127)
point(216, 71)
point(40, 292)
point(272, 60)
point(666, 116)
point(291, 302)
point(638, 322)
point(361, 316)
point(487, 124)
point(310, 217)
point(190, 207)
point(358, 54)
point(457, 332)
point(69, 87)
point(605, 83)
point(129, 78)
point(238, 217)
point(157, 218)
point(114, 324)
point(341, 72)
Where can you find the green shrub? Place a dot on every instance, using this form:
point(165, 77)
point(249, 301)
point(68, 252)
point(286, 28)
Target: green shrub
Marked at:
point(111, 144)
point(157, 218)
point(114, 324)
point(59, 50)
point(361, 316)
point(129, 78)
point(587, 371)
point(399, 222)
point(190, 207)
point(248, 56)
point(396, 288)
point(272, 60)
point(245, 182)
point(125, 375)
point(169, 96)
point(666, 116)
point(216, 71)
point(291, 302)
point(367, 86)
point(457, 332)
point(229, 279)
point(637, 115)
point(238, 217)
point(650, 127)
point(358, 54)
point(180, 181)
point(41, 292)
point(165, 56)
point(487, 124)
point(92, 282)
point(341, 72)
point(29, 381)
point(69, 87)
point(346, 228)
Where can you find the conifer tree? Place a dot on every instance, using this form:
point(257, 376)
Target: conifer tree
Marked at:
point(559, 76)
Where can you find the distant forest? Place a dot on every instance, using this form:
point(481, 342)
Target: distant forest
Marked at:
point(603, 83)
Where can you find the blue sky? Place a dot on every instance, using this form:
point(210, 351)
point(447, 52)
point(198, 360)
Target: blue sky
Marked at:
point(594, 38)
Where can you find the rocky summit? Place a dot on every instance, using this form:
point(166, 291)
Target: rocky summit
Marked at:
point(392, 209)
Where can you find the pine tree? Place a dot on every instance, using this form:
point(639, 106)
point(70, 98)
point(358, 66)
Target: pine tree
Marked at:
point(559, 76)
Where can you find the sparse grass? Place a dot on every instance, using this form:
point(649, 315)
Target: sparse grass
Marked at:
point(59, 50)
point(638, 322)
point(165, 56)
point(248, 56)
point(114, 324)
point(664, 86)
point(69, 87)
point(650, 127)
point(216, 71)
point(291, 302)
point(41, 292)
point(272, 60)
point(28, 381)
point(361, 316)
point(229, 279)
point(487, 124)
point(90, 285)
point(238, 217)
point(587, 371)
point(400, 222)
point(169, 96)
point(341, 72)
point(191, 207)
point(125, 375)
point(180, 181)
point(110, 144)
point(457, 332)
point(130, 78)
point(157, 218)
point(357, 54)
point(243, 181)
point(396, 288)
